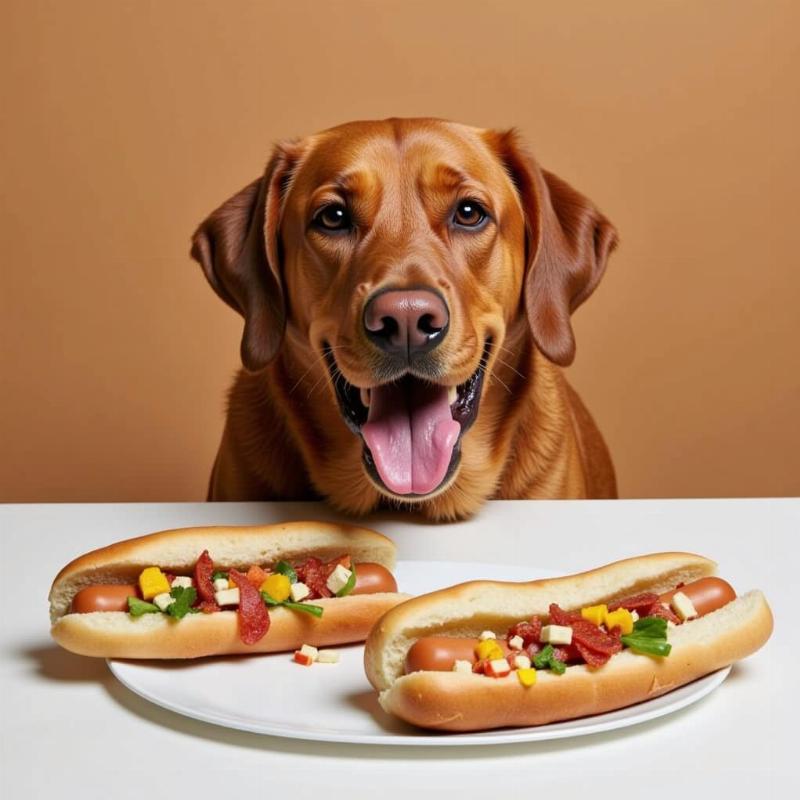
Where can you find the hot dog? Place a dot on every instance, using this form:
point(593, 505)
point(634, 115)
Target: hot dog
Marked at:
point(476, 656)
point(441, 652)
point(225, 590)
point(370, 579)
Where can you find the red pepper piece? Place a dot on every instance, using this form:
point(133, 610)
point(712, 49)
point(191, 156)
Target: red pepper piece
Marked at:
point(253, 614)
point(302, 658)
point(256, 575)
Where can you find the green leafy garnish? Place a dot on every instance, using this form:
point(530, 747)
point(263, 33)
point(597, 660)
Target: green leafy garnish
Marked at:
point(546, 659)
point(184, 599)
point(285, 568)
point(315, 611)
point(351, 583)
point(269, 600)
point(649, 637)
point(218, 574)
point(137, 607)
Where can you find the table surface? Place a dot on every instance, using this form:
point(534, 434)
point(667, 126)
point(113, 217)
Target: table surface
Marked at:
point(69, 727)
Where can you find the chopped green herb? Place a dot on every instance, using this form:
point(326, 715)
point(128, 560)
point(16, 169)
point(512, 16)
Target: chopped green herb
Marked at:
point(546, 659)
point(218, 574)
point(649, 637)
point(137, 607)
point(351, 583)
point(184, 599)
point(269, 600)
point(285, 568)
point(315, 611)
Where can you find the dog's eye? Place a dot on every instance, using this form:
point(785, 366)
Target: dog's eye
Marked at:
point(333, 217)
point(469, 214)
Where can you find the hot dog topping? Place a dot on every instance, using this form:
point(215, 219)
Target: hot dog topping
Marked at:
point(183, 600)
point(649, 636)
point(153, 581)
point(250, 593)
point(529, 631)
point(137, 607)
point(253, 614)
point(547, 659)
point(595, 645)
point(203, 578)
point(595, 634)
point(314, 574)
point(646, 604)
point(308, 655)
point(177, 603)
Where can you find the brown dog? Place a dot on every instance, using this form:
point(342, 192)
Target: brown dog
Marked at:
point(406, 287)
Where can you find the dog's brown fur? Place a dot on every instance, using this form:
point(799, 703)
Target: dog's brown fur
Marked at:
point(517, 281)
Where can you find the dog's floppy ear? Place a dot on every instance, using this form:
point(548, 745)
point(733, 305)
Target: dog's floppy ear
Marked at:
point(568, 242)
point(238, 248)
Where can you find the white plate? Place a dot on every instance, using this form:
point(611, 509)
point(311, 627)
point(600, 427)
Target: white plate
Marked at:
point(270, 694)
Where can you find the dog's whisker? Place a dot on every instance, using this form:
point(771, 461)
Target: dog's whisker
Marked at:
point(504, 349)
point(495, 378)
point(314, 387)
point(506, 364)
point(320, 357)
point(303, 376)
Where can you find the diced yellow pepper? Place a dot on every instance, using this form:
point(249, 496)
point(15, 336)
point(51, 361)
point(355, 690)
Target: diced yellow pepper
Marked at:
point(595, 614)
point(277, 586)
point(527, 677)
point(489, 648)
point(621, 618)
point(153, 581)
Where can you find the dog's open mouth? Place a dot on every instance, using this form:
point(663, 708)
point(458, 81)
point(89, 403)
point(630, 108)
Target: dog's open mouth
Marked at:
point(411, 428)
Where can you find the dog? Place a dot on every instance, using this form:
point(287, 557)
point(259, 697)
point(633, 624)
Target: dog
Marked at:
point(406, 287)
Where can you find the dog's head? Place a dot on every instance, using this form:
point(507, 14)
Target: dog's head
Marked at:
point(396, 256)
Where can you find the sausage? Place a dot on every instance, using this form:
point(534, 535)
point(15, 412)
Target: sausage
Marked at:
point(707, 594)
point(103, 597)
point(373, 578)
point(439, 652)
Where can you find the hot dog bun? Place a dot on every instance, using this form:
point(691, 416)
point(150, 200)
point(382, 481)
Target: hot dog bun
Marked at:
point(466, 702)
point(115, 634)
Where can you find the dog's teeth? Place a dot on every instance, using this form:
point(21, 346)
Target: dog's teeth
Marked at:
point(365, 397)
point(452, 394)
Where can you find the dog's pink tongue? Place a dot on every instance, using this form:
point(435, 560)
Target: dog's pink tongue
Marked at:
point(411, 434)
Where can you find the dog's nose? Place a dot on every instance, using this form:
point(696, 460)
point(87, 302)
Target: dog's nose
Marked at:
point(410, 322)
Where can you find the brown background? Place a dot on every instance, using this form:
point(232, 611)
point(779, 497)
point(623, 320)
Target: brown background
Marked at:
point(124, 123)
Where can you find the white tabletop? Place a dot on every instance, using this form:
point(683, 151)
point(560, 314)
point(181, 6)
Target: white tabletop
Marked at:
point(70, 730)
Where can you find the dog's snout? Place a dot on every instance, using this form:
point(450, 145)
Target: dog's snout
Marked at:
point(407, 322)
